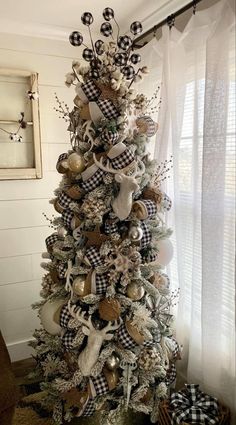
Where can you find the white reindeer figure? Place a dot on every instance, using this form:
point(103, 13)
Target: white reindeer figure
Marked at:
point(128, 185)
point(89, 355)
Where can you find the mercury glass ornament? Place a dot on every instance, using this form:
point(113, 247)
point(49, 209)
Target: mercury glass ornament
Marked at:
point(113, 362)
point(134, 291)
point(81, 286)
point(76, 163)
point(135, 233)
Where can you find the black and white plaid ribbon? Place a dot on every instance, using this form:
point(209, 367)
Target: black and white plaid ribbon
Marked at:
point(65, 316)
point(149, 257)
point(108, 108)
point(63, 200)
point(61, 157)
point(91, 91)
point(123, 160)
point(61, 269)
point(93, 257)
point(125, 339)
point(89, 409)
point(170, 375)
point(150, 207)
point(68, 338)
point(193, 406)
point(110, 227)
point(147, 237)
point(93, 181)
point(109, 136)
point(50, 240)
point(101, 282)
point(67, 217)
point(100, 384)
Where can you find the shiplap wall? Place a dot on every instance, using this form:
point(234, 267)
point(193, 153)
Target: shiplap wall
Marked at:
point(23, 228)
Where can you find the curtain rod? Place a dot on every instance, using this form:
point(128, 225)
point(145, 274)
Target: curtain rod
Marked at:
point(169, 21)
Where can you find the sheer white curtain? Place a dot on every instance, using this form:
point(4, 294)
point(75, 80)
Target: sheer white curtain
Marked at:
point(197, 125)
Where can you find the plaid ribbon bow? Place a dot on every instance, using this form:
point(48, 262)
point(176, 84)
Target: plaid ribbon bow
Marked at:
point(193, 406)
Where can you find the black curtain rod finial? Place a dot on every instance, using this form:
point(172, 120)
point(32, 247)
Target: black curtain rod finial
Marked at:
point(170, 20)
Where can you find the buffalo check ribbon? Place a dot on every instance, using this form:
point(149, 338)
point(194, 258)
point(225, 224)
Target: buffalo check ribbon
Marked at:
point(193, 406)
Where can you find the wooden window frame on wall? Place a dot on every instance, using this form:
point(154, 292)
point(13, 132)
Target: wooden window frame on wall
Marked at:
point(27, 173)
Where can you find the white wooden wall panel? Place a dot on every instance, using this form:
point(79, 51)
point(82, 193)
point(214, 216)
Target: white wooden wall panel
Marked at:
point(23, 228)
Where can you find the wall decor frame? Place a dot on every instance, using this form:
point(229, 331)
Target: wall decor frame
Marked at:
point(19, 160)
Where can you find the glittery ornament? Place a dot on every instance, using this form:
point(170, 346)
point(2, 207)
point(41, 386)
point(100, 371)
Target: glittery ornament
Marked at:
point(76, 163)
point(149, 359)
point(81, 286)
point(87, 18)
point(134, 291)
point(109, 309)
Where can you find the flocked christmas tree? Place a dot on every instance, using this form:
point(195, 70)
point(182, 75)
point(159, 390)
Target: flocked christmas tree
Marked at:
point(107, 340)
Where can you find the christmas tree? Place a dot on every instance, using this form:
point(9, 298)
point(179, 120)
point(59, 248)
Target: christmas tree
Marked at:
point(107, 339)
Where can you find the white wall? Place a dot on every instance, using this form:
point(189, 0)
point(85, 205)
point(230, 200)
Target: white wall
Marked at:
point(23, 228)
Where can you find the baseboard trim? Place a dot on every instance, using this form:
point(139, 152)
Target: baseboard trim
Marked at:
point(20, 350)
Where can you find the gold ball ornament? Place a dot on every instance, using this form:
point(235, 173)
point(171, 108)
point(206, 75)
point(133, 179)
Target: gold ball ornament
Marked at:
point(109, 309)
point(112, 378)
point(134, 291)
point(112, 362)
point(76, 163)
point(81, 286)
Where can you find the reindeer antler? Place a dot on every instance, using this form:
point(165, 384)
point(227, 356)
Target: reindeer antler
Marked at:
point(111, 326)
point(79, 315)
point(107, 168)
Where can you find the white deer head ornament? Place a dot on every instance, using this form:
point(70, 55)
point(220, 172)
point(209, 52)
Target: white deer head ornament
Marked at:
point(89, 355)
point(122, 204)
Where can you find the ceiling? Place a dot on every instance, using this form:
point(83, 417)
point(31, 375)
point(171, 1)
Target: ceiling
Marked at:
point(57, 18)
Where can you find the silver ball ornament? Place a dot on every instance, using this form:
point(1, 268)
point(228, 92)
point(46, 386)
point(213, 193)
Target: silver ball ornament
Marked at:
point(113, 362)
point(135, 233)
point(81, 286)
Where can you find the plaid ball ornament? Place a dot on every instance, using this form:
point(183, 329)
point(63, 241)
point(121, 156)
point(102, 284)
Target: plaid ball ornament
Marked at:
point(87, 18)
point(136, 27)
point(128, 72)
point(135, 58)
point(124, 42)
point(106, 29)
point(120, 59)
point(88, 54)
point(76, 38)
point(108, 14)
point(99, 47)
